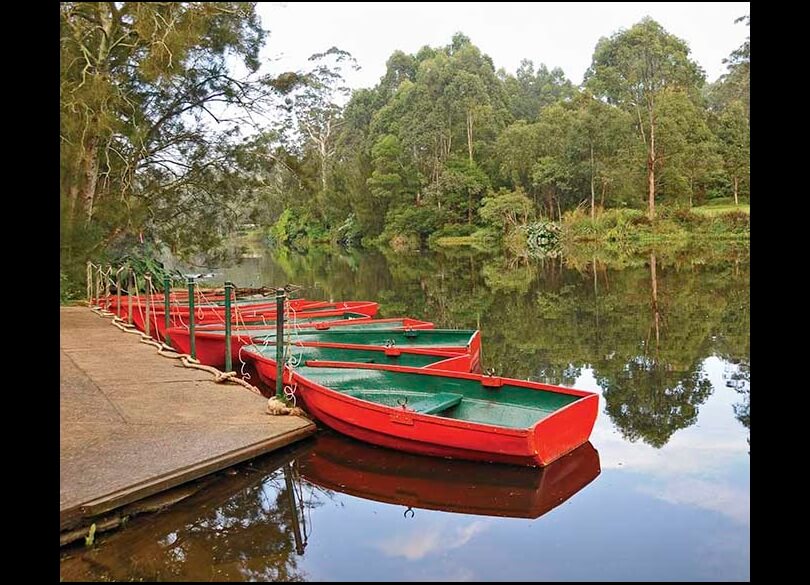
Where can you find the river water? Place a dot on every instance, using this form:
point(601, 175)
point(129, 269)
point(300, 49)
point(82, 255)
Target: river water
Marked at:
point(661, 492)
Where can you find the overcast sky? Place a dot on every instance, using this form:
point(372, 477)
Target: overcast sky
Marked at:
point(554, 33)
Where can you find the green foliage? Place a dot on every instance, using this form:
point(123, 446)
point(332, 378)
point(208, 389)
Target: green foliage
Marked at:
point(735, 85)
point(637, 68)
point(68, 290)
point(348, 233)
point(530, 91)
point(542, 238)
point(411, 224)
point(144, 150)
point(299, 229)
point(673, 224)
point(506, 209)
point(142, 261)
point(443, 139)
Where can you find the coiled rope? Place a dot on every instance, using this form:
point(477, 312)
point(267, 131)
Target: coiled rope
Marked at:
point(274, 406)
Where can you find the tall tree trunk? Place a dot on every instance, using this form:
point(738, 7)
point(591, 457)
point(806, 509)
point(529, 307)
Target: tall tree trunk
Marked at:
point(651, 168)
point(90, 178)
point(470, 133)
point(736, 185)
point(323, 166)
point(593, 193)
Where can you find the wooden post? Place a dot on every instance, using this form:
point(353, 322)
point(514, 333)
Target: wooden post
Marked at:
point(89, 283)
point(228, 291)
point(129, 297)
point(148, 284)
point(191, 316)
point(280, 293)
point(118, 292)
point(167, 283)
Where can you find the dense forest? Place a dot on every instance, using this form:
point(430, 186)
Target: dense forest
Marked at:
point(163, 142)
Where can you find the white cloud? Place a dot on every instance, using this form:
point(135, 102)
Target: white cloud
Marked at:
point(731, 502)
point(435, 539)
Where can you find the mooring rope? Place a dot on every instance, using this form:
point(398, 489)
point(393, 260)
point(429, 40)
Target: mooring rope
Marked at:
point(164, 350)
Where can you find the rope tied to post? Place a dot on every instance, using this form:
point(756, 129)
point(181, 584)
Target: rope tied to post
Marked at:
point(277, 408)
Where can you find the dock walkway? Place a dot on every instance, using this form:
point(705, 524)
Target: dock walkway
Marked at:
point(133, 424)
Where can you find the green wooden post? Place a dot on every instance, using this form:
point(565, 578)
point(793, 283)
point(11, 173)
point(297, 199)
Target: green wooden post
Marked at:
point(280, 293)
point(118, 292)
point(107, 283)
point(228, 290)
point(129, 297)
point(191, 316)
point(148, 284)
point(167, 283)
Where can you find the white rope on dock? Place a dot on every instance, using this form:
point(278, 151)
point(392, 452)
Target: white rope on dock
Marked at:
point(274, 406)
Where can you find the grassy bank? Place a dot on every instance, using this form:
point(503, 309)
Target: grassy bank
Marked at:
point(716, 222)
point(715, 210)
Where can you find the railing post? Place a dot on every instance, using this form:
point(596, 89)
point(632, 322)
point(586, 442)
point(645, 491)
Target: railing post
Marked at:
point(167, 283)
point(191, 316)
point(228, 290)
point(107, 284)
point(148, 285)
point(118, 292)
point(89, 283)
point(280, 293)
point(129, 295)
point(98, 286)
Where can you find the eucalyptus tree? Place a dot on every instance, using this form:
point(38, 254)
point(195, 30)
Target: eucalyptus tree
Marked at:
point(734, 133)
point(599, 135)
point(689, 151)
point(735, 84)
point(151, 111)
point(530, 90)
point(318, 103)
point(517, 149)
point(632, 69)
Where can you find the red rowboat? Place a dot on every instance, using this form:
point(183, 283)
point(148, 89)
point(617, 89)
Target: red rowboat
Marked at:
point(210, 343)
point(215, 314)
point(444, 413)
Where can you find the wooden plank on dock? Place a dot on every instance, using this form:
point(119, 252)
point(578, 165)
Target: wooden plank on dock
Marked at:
point(133, 423)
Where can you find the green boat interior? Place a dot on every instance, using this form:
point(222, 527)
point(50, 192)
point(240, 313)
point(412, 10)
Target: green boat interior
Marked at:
point(456, 398)
point(382, 335)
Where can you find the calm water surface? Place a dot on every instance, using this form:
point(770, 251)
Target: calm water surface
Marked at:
point(661, 492)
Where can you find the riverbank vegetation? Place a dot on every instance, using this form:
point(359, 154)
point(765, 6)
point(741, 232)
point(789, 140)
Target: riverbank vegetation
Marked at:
point(162, 141)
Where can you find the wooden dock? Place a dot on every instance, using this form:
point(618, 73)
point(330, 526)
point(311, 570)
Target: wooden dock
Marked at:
point(133, 423)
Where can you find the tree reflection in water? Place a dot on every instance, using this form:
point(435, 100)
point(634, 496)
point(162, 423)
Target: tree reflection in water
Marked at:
point(247, 526)
point(643, 323)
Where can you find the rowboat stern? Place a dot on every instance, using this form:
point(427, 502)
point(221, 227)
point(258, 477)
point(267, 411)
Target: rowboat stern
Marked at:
point(565, 430)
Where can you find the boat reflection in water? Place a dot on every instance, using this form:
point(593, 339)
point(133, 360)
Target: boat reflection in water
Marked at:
point(344, 465)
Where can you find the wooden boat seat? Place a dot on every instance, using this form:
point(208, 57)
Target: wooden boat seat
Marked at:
point(436, 403)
